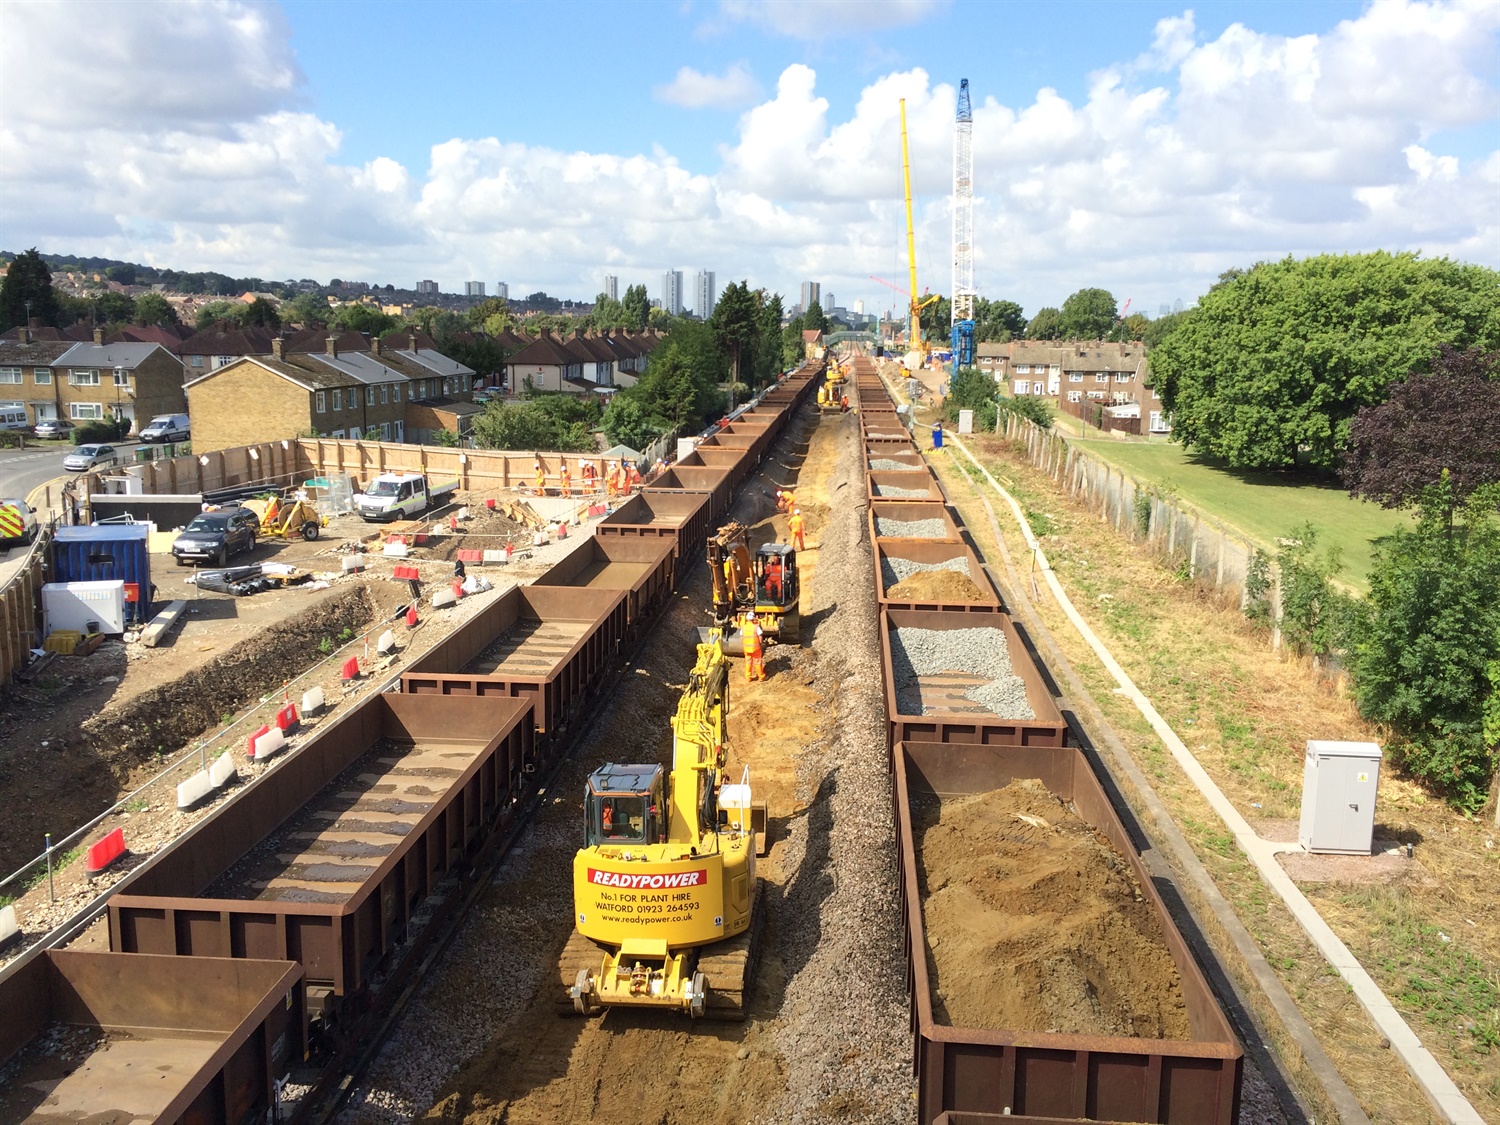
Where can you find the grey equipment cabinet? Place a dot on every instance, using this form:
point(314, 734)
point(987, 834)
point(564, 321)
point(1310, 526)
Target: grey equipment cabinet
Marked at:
point(1339, 780)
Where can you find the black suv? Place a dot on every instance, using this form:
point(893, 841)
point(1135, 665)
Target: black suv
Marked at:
point(214, 536)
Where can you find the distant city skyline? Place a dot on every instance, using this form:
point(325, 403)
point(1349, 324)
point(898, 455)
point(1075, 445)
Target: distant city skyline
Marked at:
point(671, 292)
point(705, 294)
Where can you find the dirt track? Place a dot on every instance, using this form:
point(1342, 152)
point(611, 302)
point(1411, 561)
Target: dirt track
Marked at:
point(813, 739)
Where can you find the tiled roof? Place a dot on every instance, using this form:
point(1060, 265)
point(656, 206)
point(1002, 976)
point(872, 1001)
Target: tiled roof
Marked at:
point(228, 341)
point(126, 355)
point(38, 352)
point(297, 368)
point(546, 351)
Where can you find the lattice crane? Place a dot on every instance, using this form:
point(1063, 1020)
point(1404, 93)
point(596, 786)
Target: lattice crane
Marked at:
point(962, 330)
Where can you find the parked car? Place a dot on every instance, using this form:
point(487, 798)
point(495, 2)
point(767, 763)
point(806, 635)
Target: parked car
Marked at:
point(166, 427)
point(89, 457)
point(214, 536)
point(54, 427)
point(17, 523)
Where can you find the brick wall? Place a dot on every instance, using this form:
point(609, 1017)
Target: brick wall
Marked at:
point(243, 404)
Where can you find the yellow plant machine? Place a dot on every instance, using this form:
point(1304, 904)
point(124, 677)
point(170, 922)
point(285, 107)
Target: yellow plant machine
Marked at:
point(666, 901)
point(765, 582)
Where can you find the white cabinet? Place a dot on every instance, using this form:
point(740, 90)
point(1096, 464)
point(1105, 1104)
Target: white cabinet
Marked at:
point(1339, 780)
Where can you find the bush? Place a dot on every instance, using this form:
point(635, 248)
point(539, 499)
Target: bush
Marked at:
point(1037, 410)
point(1315, 618)
point(104, 430)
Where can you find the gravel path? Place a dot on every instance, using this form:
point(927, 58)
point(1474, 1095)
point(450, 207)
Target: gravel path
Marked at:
point(910, 529)
point(975, 652)
point(897, 569)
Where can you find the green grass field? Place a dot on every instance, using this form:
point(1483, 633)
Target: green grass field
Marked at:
point(1263, 506)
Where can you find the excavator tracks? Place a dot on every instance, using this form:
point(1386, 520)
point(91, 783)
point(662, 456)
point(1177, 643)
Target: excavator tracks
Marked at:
point(729, 966)
point(580, 953)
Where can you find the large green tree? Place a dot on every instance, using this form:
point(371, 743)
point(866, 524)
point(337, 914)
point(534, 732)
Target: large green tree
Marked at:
point(28, 281)
point(1270, 368)
point(769, 362)
point(814, 317)
point(998, 321)
point(736, 329)
point(636, 307)
point(153, 308)
point(1046, 325)
point(1422, 653)
point(679, 390)
point(113, 308)
point(1089, 314)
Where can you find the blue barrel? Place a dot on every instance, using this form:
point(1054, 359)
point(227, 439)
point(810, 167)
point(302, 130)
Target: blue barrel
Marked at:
point(937, 436)
point(105, 553)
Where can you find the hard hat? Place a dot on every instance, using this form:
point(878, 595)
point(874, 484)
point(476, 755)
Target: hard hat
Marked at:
point(750, 616)
point(796, 511)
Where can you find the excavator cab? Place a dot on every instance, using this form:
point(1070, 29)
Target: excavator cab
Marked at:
point(765, 581)
point(776, 586)
point(625, 804)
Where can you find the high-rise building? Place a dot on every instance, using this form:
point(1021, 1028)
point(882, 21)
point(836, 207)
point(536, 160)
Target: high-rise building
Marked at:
point(426, 287)
point(612, 287)
point(859, 307)
point(811, 291)
point(502, 290)
point(828, 303)
point(473, 289)
point(704, 294)
point(671, 292)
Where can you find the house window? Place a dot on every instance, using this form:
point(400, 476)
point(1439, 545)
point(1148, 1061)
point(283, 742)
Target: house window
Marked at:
point(122, 377)
point(384, 394)
point(1158, 422)
point(83, 378)
point(395, 392)
point(1023, 386)
point(338, 400)
point(224, 360)
point(320, 402)
point(1096, 394)
point(1122, 377)
point(85, 411)
point(1023, 369)
point(1075, 396)
point(385, 431)
point(447, 387)
point(10, 374)
point(1055, 369)
point(400, 430)
point(195, 361)
point(463, 381)
point(1075, 376)
point(1154, 394)
point(355, 433)
point(1037, 388)
point(369, 396)
point(1101, 376)
point(338, 435)
point(43, 376)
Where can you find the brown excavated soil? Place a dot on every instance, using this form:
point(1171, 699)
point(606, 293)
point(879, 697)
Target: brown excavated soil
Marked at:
point(936, 586)
point(1038, 925)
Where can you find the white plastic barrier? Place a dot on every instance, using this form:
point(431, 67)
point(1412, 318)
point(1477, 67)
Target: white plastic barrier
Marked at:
point(269, 744)
point(495, 557)
point(9, 926)
point(312, 701)
point(386, 643)
point(353, 564)
point(223, 771)
point(443, 597)
point(395, 550)
point(194, 789)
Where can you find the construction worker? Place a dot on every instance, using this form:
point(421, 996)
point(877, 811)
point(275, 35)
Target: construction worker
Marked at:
point(611, 481)
point(773, 577)
point(635, 475)
point(796, 526)
point(566, 476)
point(590, 476)
point(541, 479)
point(844, 405)
point(755, 662)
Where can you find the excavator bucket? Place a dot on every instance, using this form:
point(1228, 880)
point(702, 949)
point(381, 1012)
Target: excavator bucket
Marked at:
point(730, 640)
point(760, 827)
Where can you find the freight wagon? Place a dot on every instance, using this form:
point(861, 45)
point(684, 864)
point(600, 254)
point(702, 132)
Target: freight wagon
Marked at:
point(644, 568)
point(682, 517)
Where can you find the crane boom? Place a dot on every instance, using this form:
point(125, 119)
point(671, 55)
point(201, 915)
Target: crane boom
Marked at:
point(963, 208)
point(914, 333)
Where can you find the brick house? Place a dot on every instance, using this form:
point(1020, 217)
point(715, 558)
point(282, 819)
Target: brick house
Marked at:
point(220, 346)
point(549, 365)
point(135, 381)
point(26, 377)
point(290, 394)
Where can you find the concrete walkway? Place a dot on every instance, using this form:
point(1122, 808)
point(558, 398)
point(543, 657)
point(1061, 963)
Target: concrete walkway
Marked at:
point(1430, 1076)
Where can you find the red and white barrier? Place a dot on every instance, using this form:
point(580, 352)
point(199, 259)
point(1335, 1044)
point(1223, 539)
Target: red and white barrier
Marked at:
point(104, 853)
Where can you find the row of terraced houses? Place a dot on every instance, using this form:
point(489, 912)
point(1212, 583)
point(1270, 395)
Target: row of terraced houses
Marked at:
point(1116, 376)
point(247, 385)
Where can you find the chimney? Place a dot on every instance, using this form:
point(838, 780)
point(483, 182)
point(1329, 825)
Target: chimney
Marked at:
point(375, 346)
point(413, 339)
point(26, 333)
point(332, 346)
point(278, 348)
point(98, 335)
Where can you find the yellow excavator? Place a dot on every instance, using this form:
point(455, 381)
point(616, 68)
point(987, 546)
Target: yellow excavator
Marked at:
point(666, 903)
point(764, 581)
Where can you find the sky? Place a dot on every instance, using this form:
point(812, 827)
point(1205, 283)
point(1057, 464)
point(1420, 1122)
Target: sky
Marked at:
point(1141, 146)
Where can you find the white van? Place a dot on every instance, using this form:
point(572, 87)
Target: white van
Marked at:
point(166, 427)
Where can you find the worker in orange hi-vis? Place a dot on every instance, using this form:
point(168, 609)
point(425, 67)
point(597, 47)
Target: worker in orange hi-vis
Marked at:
point(611, 483)
point(541, 479)
point(796, 526)
point(566, 477)
point(590, 476)
point(635, 475)
point(755, 662)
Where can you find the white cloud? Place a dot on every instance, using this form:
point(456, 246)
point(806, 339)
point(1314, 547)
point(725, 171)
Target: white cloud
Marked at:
point(733, 89)
point(1188, 159)
point(819, 19)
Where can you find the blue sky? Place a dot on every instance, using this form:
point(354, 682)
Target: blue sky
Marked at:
point(1140, 146)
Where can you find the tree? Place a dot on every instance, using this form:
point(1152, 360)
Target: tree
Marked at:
point(215, 311)
point(122, 274)
point(153, 308)
point(636, 307)
point(1046, 325)
point(113, 308)
point(736, 327)
point(998, 321)
point(561, 422)
point(1272, 366)
point(261, 313)
point(792, 350)
point(608, 313)
point(28, 281)
point(1445, 421)
point(1132, 327)
point(1163, 326)
point(361, 318)
point(769, 361)
point(307, 309)
point(1088, 314)
point(1422, 654)
point(937, 320)
point(813, 318)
